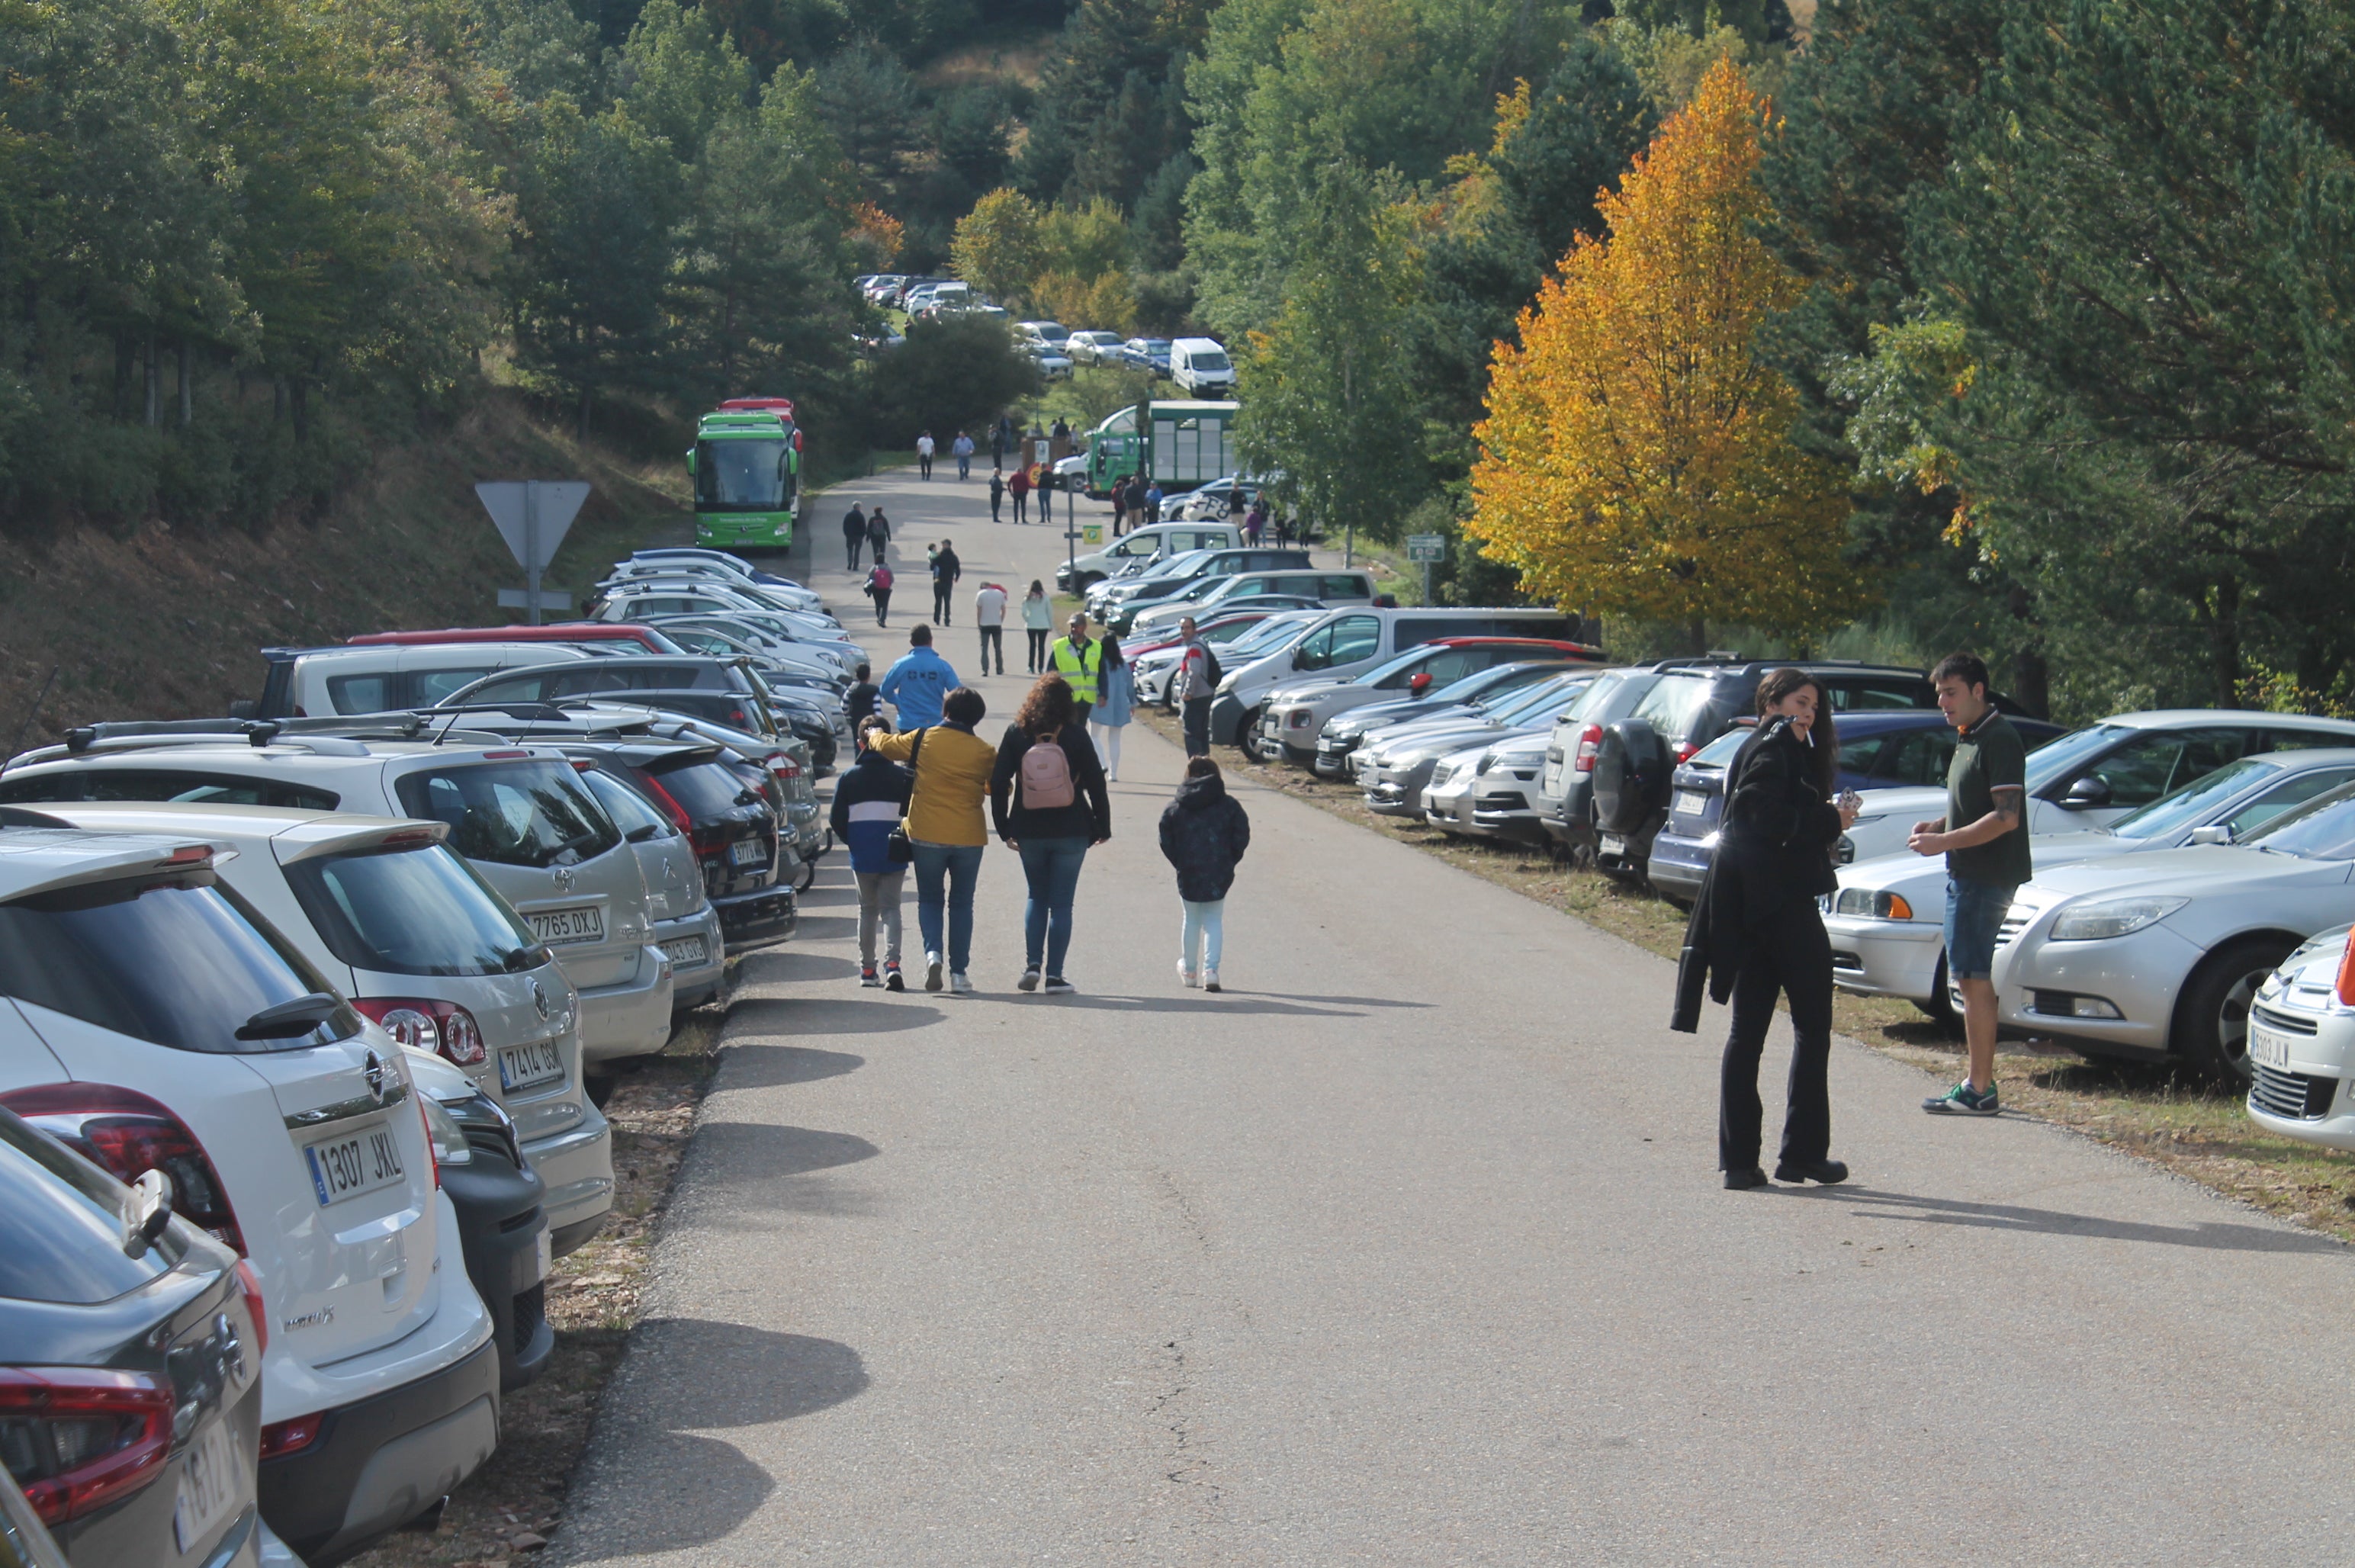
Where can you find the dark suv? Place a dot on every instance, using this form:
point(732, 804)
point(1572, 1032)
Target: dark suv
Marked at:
point(1693, 701)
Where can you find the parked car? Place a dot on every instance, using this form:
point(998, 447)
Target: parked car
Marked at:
point(1148, 353)
point(320, 683)
point(1566, 786)
point(1338, 738)
point(1054, 333)
point(2161, 954)
point(1215, 501)
point(658, 609)
point(1201, 367)
point(2302, 1043)
point(1295, 718)
point(1886, 921)
point(1054, 365)
point(647, 598)
point(1241, 636)
point(1117, 603)
point(1490, 791)
point(1141, 545)
point(519, 815)
point(719, 565)
point(1094, 348)
point(582, 634)
point(159, 1023)
point(687, 926)
point(131, 1411)
point(1394, 766)
point(1879, 749)
point(1327, 586)
point(779, 648)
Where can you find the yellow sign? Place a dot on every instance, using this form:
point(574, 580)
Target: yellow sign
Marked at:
point(1091, 533)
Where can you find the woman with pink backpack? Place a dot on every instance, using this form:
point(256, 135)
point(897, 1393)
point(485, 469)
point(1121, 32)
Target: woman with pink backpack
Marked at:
point(1048, 798)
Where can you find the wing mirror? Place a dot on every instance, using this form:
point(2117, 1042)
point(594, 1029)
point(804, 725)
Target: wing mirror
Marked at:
point(1420, 683)
point(2214, 833)
point(147, 1211)
point(2087, 792)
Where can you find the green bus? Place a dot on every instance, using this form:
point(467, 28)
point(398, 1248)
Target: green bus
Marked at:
point(747, 468)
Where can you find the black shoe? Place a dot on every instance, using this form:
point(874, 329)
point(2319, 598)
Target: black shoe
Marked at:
point(1827, 1171)
point(1743, 1181)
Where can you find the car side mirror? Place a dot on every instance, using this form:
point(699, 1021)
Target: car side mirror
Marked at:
point(1298, 654)
point(2214, 833)
point(1420, 683)
point(2089, 791)
point(645, 832)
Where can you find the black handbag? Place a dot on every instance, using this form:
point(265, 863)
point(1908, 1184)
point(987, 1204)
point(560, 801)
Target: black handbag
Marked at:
point(897, 847)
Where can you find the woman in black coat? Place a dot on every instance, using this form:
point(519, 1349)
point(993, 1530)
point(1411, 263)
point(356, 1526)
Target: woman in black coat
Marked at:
point(1758, 928)
point(1052, 836)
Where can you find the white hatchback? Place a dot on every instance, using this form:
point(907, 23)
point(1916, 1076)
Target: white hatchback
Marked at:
point(2302, 1043)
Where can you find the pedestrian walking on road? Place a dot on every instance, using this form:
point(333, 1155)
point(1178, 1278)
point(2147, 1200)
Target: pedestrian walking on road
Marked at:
point(1204, 832)
point(1019, 488)
point(962, 448)
point(1037, 620)
point(997, 443)
point(919, 682)
point(1192, 684)
point(1987, 850)
point(854, 534)
point(989, 614)
point(1046, 796)
point(1116, 696)
point(946, 831)
point(1255, 522)
point(924, 453)
point(862, 699)
point(869, 800)
point(879, 533)
point(947, 573)
point(879, 588)
point(1077, 658)
point(1153, 502)
point(997, 493)
point(1755, 930)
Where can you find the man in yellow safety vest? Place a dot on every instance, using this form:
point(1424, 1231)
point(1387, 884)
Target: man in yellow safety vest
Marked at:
point(1079, 658)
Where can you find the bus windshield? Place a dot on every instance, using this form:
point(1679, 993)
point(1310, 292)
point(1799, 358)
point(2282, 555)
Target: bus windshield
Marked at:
point(743, 475)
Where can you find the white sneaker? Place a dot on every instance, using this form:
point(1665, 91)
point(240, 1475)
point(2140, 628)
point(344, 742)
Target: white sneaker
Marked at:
point(932, 971)
point(1209, 979)
point(1185, 976)
point(959, 985)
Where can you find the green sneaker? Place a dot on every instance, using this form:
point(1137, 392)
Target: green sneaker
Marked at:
point(1962, 1100)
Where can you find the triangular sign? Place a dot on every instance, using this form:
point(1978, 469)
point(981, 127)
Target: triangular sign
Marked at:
point(558, 502)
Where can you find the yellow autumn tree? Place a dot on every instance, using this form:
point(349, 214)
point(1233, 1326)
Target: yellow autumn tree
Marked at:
point(1636, 457)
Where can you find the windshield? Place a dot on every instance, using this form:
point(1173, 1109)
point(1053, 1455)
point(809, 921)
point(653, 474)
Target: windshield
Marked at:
point(1719, 751)
point(2050, 761)
point(1541, 701)
point(1494, 682)
point(412, 911)
point(746, 475)
point(2322, 830)
point(2170, 812)
point(1265, 635)
point(1209, 361)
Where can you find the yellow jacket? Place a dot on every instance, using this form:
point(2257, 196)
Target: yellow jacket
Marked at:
point(951, 782)
point(1078, 666)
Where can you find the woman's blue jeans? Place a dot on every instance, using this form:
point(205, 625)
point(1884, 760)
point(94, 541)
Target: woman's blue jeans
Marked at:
point(945, 873)
point(1052, 866)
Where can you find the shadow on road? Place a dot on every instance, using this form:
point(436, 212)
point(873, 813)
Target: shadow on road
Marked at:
point(848, 1016)
point(685, 1377)
point(727, 1151)
point(1224, 1002)
point(2056, 1222)
point(756, 1066)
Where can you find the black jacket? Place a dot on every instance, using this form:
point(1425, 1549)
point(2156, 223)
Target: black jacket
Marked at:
point(854, 524)
point(947, 568)
point(1773, 863)
point(877, 781)
point(861, 700)
point(1204, 833)
point(1089, 815)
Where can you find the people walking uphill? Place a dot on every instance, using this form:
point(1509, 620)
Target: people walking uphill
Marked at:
point(924, 453)
point(917, 684)
point(869, 800)
point(1755, 930)
point(945, 829)
point(962, 449)
point(879, 533)
point(1204, 832)
point(1037, 620)
point(862, 699)
point(1048, 799)
point(1192, 684)
point(989, 614)
point(854, 535)
point(997, 494)
point(879, 588)
point(1116, 696)
point(1019, 488)
point(1077, 658)
point(947, 573)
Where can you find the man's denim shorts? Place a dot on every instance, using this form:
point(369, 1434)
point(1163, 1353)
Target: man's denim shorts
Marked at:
point(1975, 912)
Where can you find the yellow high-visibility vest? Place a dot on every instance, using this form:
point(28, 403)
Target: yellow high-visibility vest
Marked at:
point(1078, 666)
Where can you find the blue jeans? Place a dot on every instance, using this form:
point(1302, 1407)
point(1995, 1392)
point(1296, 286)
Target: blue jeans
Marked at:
point(1052, 867)
point(1204, 931)
point(1975, 912)
point(945, 874)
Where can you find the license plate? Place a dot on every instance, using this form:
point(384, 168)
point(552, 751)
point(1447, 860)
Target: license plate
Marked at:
point(1612, 844)
point(211, 1484)
point(524, 1066)
point(1691, 801)
point(2268, 1047)
point(545, 1255)
point(557, 927)
point(686, 951)
point(350, 1164)
point(747, 852)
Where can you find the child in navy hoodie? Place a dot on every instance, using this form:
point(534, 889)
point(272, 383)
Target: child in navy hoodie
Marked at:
point(869, 799)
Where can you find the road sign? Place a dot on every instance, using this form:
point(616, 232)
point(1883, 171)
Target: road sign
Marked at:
point(533, 515)
point(1426, 547)
point(1091, 533)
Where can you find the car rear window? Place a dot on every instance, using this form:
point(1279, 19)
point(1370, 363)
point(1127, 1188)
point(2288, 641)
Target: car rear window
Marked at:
point(61, 1239)
point(411, 911)
point(707, 790)
point(157, 784)
point(533, 813)
point(631, 811)
point(1675, 705)
point(175, 960)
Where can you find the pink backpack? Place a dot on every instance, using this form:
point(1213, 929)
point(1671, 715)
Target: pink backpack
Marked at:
point(1047, 775)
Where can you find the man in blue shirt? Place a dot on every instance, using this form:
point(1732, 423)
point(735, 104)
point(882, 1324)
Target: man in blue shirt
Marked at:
point(915, 686)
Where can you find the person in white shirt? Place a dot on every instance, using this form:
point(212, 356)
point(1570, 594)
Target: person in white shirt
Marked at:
point(924, 453)
point(989, 614)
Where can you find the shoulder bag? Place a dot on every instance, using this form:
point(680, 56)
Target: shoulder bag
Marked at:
point(897, 847)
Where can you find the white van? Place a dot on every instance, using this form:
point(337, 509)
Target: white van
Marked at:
point(319, 683)
point(1142, 545)
point(1201, 367)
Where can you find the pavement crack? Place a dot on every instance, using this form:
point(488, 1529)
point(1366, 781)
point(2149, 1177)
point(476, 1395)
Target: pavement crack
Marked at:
point(1190, 1466)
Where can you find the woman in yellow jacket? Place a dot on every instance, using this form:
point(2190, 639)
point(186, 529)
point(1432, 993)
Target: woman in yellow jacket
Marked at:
point(952, 766)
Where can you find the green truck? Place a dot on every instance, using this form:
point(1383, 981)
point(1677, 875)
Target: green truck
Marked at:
point(1183, 444)
point(747, 468)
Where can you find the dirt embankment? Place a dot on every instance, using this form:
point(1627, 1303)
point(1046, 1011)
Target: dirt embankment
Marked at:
point(164, 622)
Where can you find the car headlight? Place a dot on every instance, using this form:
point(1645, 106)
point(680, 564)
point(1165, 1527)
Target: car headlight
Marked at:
point(450, 1146)
point(2112, 917)
point(1869, 903)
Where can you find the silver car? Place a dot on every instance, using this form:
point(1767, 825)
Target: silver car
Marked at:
point(1394, 765)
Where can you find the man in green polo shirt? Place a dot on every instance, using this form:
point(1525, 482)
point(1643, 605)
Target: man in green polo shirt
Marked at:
point(1984, 837)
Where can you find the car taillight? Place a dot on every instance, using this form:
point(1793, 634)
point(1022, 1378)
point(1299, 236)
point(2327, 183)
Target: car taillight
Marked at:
point(131, 1135)
point(1590, 746)
point(1683, 753)
point(77, 1438)
point(668, 802)
point(2346, 973)
point(785, 767)
point(443, 1028)
point(292, 1436)
point(248, 1285)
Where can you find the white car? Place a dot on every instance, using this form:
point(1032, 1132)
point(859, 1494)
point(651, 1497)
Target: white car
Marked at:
point(518, 814)
point(1094, 348)
point(382, 677)
point(158, 1023)
point(1232, 640)
point(773, 635)
point(1052, 362)
point(1887, 921)
point(1489, 791)
point(2161, 953)
point(716, 564)
point(402, 926)
point(741, 595)
point(2302, 1043)
point(2092, 776)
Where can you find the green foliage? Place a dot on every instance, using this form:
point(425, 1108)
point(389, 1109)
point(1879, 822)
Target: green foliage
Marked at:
point(958, 373)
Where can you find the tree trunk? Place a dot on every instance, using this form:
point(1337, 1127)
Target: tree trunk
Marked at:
point(2031, 682)
point(155, 378)
point(2225, 645)
point(125, 356)
point(1698, 632)
point(584, 414)
point(300, 396)
point(188, 387)
point(277, 398)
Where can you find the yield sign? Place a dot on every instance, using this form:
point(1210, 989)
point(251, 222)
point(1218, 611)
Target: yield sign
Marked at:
point(533, 515)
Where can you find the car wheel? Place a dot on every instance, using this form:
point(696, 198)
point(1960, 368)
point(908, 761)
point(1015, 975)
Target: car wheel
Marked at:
point(2211, 1019)
point(1249, 740)
point(1940, 1007)
point(600, 1086)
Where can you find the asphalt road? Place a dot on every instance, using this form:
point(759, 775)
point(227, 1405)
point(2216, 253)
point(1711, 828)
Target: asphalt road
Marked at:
point(1408, 1249)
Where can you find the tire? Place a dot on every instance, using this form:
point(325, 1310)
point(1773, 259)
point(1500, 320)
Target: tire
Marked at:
point(601, 1087)
point(1249, 740)
point(1940, 1009)
point(2211, 1017)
